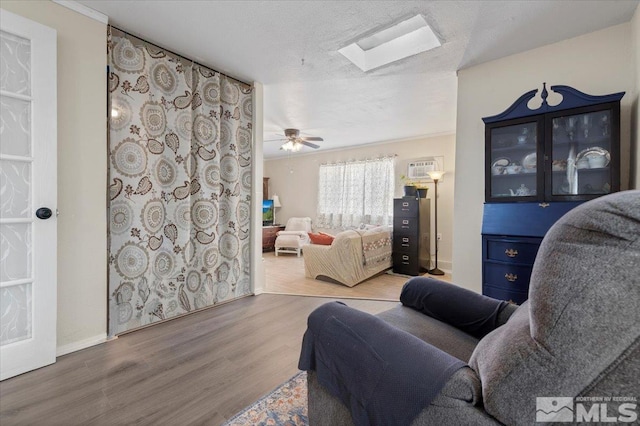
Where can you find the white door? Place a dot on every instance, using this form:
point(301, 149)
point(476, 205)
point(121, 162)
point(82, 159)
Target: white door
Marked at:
point(27, 183)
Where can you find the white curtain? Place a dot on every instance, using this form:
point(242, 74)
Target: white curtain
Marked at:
point(355, 193)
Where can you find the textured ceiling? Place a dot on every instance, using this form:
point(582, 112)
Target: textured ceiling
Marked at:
point(292, 48)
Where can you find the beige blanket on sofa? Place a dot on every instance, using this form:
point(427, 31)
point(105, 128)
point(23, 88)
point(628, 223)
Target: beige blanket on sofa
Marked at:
point(376, 248)
point(352, 258)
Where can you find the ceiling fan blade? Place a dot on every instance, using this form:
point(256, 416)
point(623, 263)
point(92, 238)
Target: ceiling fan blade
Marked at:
point(309, 144)
point(276, 140)
point(311, 138)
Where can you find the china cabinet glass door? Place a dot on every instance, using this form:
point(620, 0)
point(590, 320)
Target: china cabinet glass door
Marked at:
point(513, 172)
point(582, 163)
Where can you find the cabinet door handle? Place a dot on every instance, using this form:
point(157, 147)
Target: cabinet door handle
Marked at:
point(511, 277)
point(511, 252)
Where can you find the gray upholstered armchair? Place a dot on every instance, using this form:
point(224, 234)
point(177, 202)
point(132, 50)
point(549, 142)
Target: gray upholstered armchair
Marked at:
point(455, 357)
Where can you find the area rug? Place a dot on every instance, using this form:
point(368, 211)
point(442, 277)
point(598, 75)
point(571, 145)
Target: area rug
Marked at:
point(284, 406)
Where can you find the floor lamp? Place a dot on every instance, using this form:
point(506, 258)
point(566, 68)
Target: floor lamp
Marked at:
point(436, 176)
point(276, 205)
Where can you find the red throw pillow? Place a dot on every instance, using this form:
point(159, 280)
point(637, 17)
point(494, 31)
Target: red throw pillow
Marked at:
point(321, 239)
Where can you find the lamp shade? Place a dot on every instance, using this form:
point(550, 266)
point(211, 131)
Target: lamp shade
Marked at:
point(276, 201)
point(436, 174)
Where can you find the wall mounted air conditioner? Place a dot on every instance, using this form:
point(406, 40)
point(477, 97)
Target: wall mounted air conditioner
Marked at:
point(419, 169)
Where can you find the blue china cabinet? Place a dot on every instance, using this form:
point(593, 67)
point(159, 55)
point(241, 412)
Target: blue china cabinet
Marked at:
point(539, 164)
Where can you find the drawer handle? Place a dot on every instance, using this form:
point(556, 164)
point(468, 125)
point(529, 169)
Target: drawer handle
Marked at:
point(511, 277)
point(405, 239)
point(511, 252)
point(405, 204)
point(405, 257)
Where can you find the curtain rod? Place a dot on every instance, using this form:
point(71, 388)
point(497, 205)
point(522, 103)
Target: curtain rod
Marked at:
point(382, 157)
point(178, 55)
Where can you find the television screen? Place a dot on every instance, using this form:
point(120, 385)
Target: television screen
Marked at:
point(267, 212)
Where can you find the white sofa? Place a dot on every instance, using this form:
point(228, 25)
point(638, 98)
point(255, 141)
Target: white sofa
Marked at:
point(353, 256)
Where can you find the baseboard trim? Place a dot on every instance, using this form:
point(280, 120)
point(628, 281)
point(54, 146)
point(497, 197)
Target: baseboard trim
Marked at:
point(445, 266)
point(81, 344)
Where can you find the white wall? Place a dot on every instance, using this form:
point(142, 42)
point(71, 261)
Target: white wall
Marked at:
point(82, 171)
point(257, 267)
point(295, 180)
point(598, 63)
point(635, 111)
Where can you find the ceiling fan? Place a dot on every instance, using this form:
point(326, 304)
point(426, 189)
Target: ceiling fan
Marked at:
point(294, 142)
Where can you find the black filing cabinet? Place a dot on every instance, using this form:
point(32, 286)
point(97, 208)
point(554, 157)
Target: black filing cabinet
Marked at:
point(411, 236)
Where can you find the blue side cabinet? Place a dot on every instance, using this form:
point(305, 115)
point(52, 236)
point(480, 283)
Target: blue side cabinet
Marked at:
point(539, 164)
point(511, 236)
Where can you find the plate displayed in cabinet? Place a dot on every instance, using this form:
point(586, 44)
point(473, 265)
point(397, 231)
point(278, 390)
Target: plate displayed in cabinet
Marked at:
point(499, 166)
point(596, 157)
point(503, 162)
point(559, 165)
point(529, 163)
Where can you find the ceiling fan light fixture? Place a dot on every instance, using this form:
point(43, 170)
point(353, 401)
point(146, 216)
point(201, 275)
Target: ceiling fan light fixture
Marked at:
point(399, 41)
point(291, 146)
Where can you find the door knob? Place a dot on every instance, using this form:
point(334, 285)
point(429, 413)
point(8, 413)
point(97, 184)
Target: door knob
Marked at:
point(43, 213)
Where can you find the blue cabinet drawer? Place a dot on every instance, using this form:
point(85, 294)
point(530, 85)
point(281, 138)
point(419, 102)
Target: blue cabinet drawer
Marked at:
point(510, 277)
point(503, 294)
point(512, 250)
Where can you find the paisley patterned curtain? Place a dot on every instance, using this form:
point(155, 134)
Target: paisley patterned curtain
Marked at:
point(180, 185)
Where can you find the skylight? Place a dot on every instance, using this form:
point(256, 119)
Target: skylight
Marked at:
point(404, 39)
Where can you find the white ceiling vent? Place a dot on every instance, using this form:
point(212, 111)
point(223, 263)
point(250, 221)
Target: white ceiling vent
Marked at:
point(404, 39)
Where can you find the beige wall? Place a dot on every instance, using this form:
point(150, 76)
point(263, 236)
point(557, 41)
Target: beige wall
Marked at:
point(295, 180)
point(257, 266)
point(597, 63)
point(635, 110)
point(82, 168)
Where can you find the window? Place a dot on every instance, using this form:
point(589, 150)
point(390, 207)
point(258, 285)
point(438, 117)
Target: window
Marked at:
point(356, 192)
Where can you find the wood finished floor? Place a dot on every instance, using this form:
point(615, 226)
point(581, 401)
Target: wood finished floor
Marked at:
point(284, 274)
point(199, 369)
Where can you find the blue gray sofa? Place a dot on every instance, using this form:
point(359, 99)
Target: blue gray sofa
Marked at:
point(577, 336)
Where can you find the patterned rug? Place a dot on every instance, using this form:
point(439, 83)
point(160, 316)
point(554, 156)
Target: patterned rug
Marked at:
point(284, 406)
